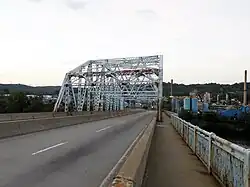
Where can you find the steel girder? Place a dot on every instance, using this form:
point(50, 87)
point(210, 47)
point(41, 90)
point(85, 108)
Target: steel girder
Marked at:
point(107, 84)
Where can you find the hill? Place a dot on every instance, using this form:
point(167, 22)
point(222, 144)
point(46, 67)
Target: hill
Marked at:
point(37, 90)
point(178, 89)
point(214, 88)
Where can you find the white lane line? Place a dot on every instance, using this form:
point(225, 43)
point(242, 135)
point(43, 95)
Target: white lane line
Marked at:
point(105, 128)
point(48, 148)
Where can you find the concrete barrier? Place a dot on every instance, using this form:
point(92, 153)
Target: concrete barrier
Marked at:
point(132, 171)
point(21, 127)
point(24, 116)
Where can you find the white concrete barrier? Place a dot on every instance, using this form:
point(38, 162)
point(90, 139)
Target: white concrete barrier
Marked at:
point(20, 127)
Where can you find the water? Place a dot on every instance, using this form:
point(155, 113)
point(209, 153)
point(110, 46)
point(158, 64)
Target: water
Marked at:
point(230, 135)
point(242, 143)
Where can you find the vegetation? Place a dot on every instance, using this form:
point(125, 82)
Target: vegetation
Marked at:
point(18, 102)
point(234, 90)
point(38, 90)
point(178, 89)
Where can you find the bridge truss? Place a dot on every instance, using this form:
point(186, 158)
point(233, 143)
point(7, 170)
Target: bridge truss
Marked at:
point(109, 84)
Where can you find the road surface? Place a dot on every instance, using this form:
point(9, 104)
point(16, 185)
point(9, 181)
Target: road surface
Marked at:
point(76, 156)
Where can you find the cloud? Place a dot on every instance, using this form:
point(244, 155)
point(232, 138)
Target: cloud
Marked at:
point(37, 1)
point(76, 4)
point(146, 12)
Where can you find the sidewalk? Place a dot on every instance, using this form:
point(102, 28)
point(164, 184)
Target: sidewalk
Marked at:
point(172, 164)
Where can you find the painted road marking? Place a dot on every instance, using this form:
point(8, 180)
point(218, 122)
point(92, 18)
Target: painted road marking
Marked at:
point(103, 129)
point(48, 148)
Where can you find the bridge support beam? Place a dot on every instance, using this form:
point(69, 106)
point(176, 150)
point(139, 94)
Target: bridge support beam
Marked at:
point(100, 84)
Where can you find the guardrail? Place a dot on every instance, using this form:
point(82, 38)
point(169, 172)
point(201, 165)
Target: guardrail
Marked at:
point(226, 161)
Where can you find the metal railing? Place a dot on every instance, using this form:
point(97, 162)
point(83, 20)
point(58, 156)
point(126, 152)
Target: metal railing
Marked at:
point(226, 161)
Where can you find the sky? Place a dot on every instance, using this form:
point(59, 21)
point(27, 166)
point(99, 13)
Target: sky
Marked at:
point(201, 41)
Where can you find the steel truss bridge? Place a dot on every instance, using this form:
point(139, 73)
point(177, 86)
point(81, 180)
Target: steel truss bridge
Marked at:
point(111, 84)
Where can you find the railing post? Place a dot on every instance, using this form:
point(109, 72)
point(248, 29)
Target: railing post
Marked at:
point(176, 123)
point(183, 127)
point(246, 168)
point(209, 152)
point(195, 138)
point(173, 120)
point(178, 126)
point(187, 134)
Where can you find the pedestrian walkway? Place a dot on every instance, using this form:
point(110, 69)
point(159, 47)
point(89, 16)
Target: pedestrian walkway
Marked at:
point(172, 164)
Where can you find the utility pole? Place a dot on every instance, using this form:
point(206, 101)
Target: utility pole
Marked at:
point(245, 95)
point(160, 90)
point(171, 87)
point(245, 89)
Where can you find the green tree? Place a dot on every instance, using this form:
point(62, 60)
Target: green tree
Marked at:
point(3, 104)
point(6, 91)
point(35, 105)
point(17, 102)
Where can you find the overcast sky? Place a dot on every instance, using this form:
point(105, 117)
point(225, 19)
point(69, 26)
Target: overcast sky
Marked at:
point(201, 40)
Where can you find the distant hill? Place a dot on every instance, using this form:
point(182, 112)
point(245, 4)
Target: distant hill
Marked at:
point(29, 89)
point(214, 88)
point(178, 89)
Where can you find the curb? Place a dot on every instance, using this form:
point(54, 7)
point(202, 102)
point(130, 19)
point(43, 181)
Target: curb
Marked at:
point(132, 171)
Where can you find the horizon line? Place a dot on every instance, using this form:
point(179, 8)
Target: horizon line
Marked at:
point(163, 82)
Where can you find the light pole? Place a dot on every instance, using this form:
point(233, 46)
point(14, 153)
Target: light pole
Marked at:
point(160, 90)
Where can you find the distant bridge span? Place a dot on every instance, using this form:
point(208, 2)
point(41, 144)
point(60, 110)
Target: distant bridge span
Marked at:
point(108, 84)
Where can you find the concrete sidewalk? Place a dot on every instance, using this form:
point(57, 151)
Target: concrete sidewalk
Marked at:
point(172, 164)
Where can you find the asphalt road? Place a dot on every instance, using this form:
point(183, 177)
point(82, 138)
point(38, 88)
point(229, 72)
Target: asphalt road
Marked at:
point(81, 155)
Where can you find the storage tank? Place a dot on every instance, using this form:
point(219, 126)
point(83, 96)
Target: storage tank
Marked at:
point(177, 105)
point(205, 107)
point(186, 103)
point(181, 103)
point(194, 105)
point(245, 108)
point(173, 104)
point(231, 113)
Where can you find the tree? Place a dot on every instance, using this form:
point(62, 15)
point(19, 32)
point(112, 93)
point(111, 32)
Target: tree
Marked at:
point(17, 102)
point(3, 104)
point(35, 105)
point(6, 91)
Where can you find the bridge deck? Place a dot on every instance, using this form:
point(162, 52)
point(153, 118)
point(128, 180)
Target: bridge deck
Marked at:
point(171, 163)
